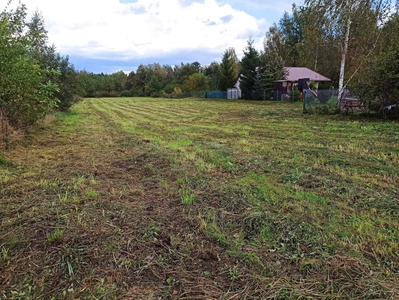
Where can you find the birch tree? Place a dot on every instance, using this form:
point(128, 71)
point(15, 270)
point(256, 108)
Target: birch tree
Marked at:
point(341, 15)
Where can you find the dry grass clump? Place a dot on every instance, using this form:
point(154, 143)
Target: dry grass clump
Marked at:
point(49, 119)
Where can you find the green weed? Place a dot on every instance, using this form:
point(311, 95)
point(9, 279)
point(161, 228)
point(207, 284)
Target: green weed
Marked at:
point(63, 197)
point(91, 193)
point(186, 195)
point(151, 232)
point(293, 177)
point(4, 255)
point(5, 162)
point(234, 272)
point(55, 236)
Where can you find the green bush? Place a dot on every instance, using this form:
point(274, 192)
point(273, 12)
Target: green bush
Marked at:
point(169, 88)
point(325, 109)
point(100, 94)
point(296, 95)
point(126, 93)
point(105, 94)
point(156, 94)
point(378, 85)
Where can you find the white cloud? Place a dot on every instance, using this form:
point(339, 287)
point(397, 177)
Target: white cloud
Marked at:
point(281, 5)
point(148, 28)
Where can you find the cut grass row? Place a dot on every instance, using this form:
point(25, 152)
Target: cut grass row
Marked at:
point(202, 199)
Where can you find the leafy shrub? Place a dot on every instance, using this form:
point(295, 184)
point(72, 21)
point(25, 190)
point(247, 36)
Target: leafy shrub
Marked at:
point(155, 94)
point(99, 94)
point(169, 88)
point(177, 90)
point(296, 95)
point(68, 101)
point(379, 84)
point(326, 109)
point(126, 93)
point(113, 94)
point(105, 94)
point(324, 85)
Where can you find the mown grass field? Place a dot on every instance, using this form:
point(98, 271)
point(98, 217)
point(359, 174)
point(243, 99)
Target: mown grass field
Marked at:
point(201, 199)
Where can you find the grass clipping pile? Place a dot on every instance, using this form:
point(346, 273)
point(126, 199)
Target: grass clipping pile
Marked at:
point(90, 211)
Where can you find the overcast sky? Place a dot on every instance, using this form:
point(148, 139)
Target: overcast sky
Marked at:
point(111, 35)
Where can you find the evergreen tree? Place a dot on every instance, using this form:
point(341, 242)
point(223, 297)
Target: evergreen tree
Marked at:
point(37, 33)
point(249, 64)
point(272, 68)
point(228, 70)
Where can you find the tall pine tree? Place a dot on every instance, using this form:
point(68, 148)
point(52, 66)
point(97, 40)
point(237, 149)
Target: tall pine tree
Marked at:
point(228, 70)
point(249, 64)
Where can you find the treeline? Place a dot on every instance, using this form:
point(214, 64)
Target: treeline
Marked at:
point(257, 69)
point(34, 78)
point(148, 80)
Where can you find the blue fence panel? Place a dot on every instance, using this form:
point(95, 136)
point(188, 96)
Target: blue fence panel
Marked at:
point(216, 94)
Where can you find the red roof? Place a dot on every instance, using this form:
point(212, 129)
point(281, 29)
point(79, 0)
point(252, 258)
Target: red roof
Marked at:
point(295, 73)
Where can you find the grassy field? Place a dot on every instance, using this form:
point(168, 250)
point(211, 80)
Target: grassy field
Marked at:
point(201, 199)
